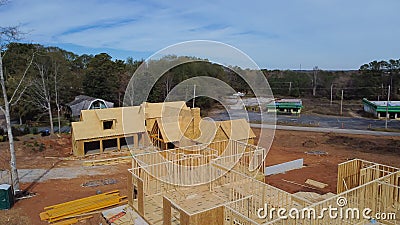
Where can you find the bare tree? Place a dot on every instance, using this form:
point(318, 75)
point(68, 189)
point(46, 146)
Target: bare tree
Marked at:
point(168, 78)
point(41, 91)
point(56, 96)
point(8, 34)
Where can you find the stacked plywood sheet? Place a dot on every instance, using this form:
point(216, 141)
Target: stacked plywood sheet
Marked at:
point(82, 206)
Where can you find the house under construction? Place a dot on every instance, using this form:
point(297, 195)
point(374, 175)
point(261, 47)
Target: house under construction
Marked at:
point(165, 125)
point(102, 130)
point(192, 171)
point(220, 182)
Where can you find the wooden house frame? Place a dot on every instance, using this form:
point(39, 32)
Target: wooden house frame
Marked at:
point(235, 197)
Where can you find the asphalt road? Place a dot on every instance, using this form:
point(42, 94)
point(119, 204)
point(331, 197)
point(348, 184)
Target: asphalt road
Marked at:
point(326, 130)
point(320, 121)
point(340, 122)
point(314, 123)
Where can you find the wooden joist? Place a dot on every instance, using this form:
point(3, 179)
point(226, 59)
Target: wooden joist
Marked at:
point(81, 206)
point(110, 161)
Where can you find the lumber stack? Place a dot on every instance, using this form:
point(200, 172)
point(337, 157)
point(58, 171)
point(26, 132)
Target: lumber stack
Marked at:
point(109, 161)
point(82, 206)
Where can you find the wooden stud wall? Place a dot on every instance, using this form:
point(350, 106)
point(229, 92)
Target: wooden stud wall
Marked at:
point(362, 183)
point(167, 208)
point(357, 172)
point(348, 175)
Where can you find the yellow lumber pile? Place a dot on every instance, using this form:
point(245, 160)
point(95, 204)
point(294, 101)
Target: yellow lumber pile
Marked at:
point(82, 206)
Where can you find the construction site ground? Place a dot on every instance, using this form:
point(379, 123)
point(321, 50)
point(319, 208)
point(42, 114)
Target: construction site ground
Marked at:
point(48, 169)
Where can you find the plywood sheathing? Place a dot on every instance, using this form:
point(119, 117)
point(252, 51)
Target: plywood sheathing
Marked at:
point(127, 122)
point(91, 126)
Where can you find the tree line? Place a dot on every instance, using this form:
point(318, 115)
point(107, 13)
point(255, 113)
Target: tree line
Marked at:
point(370, 81)
point(51, 77)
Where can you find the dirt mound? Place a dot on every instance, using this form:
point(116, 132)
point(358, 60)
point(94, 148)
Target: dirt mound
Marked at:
point(35, 150)
point(53, 146)
point(364, 144)
point(16, 216)
point(310, 144)
point(349, 141)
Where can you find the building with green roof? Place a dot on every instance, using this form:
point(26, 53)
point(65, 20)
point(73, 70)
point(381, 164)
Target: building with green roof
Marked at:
point(285, 106)
point(378, 108)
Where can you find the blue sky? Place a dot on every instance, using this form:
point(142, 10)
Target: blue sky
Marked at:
point(334, 34)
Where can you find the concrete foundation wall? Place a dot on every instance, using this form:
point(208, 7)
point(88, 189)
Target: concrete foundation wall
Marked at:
point(283, 167)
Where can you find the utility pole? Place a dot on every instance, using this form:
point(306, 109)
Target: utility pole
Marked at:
point(387, 108)
point(341, 104)
point(331, 93)
point(290, 87)
point(315, 73)
point(194, 94)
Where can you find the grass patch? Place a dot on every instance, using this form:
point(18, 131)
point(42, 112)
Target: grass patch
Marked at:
point(385, 129)
point(287, 123)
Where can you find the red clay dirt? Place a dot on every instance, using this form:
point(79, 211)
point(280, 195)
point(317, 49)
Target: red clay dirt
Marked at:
point(287, 145)
point(291, 145)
